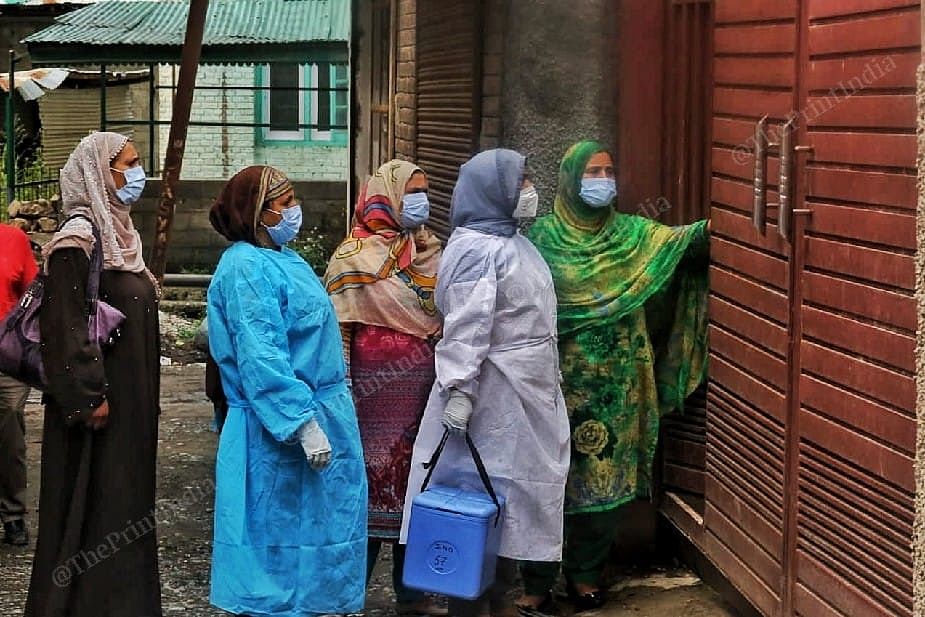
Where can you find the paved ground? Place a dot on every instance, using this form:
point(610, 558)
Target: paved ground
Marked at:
point(187, 448)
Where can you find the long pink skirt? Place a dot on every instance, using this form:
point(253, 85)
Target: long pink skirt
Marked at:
point(392, 376)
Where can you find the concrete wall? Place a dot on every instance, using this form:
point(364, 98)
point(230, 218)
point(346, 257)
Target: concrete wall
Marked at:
point(195, 245)
point(216, 153)
point(560, 75)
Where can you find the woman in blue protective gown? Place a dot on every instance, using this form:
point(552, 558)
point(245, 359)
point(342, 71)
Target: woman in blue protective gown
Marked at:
point(290, 501)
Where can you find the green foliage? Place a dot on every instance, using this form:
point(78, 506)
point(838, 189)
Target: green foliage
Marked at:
point(29, 164)
point(187, 333)
point(310, 245)
point(33, 180)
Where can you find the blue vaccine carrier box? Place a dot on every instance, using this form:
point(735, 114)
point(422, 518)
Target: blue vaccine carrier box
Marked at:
point(453, 539)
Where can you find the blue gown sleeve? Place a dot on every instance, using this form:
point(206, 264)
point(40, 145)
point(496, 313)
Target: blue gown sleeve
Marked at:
point(468, 305)
point(258, 331)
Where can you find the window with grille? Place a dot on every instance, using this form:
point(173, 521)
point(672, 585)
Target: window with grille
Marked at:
point(284, 101)
point(304, 103)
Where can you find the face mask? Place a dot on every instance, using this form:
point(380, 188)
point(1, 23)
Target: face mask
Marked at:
point(288, 227)
point(134, 184)
point(527, 204)
point(415, 210)
point(598, 192)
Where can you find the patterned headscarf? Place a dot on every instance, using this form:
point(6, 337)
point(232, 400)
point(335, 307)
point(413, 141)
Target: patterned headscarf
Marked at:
point(568, 205)
point(382, 274)
point(604, 264)
point(236, 211)
point(88, 189)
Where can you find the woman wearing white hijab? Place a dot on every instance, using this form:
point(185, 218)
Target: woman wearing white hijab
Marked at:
point(96, 554)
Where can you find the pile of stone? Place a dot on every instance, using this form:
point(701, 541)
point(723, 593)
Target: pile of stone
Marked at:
point(39, 216)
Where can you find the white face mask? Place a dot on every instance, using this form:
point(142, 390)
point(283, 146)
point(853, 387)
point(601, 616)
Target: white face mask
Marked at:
point(527, 204)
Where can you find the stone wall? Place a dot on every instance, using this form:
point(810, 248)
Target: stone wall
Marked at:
point(194, 245)
point(39, 216)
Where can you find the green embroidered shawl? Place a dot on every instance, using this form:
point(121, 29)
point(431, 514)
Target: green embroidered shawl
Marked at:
point(632, 327)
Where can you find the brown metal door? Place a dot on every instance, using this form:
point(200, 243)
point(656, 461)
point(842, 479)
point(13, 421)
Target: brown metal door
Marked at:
point(811, 418)
point(449, 95)
point(663, 173)
point(852, 531)
point(755, 43)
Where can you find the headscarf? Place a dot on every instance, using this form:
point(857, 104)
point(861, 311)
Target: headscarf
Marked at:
point(605, 264)
point(487, 191)
point(88, 189)
point(236, 212)
point(382, 274)
point(568, 205)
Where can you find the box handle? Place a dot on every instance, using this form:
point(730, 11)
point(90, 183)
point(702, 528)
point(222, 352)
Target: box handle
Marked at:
point(486, 481)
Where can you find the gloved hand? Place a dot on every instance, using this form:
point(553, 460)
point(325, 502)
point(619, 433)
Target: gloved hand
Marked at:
point(457, 411)
point(315, 444)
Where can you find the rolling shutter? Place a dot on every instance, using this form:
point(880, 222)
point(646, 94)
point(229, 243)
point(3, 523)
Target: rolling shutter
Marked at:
point(449, 94)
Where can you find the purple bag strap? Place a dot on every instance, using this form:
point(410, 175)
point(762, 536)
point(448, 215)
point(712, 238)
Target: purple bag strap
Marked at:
point(96, 264)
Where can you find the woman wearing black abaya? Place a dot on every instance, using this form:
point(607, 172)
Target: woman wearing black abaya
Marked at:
point(96, 554)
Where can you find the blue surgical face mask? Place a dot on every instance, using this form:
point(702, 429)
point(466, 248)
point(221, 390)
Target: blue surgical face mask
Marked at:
point(415, 210)
point(134, 184)
point(288, 227)
point(598, 192)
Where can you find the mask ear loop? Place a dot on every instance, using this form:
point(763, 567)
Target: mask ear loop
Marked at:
point(526, 174)
point(268, 209)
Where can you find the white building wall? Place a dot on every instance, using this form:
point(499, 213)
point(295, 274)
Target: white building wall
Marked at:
point(308, 162)
point(216, 153)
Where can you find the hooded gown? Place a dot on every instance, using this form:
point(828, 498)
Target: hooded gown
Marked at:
point(499, 346)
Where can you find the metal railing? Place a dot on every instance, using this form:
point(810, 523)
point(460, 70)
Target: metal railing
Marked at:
point(32, 184)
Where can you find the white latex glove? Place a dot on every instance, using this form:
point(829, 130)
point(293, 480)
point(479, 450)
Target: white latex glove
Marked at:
point(315, 444)
point(457, 411)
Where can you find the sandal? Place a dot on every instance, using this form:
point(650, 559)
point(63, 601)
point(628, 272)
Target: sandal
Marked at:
point(543, 609)
point(588, 600)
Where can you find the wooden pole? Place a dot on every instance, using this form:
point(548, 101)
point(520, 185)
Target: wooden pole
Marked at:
point(179, 123)
point(11, 134)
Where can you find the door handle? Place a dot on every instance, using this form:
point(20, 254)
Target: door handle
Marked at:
point(760, 207)
point(785, 187)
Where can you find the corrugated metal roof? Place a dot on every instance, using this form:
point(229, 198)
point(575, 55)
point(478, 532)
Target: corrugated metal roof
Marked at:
point(229, 22)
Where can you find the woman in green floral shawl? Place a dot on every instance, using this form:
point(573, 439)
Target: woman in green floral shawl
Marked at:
point(632, 337)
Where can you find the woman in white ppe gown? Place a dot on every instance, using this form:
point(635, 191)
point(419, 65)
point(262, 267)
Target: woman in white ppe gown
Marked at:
point(498, 365)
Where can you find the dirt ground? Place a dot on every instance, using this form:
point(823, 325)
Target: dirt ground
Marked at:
point(185, 490)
